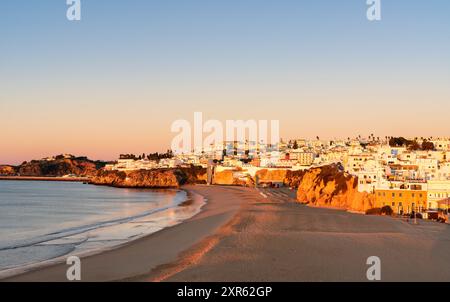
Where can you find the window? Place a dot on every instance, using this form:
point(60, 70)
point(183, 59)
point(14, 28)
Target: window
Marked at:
point(393, 194)
point(393, 204)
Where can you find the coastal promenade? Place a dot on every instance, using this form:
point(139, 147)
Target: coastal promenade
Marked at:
point(243, 235)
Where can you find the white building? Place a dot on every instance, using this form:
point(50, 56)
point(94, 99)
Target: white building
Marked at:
point(438, 191)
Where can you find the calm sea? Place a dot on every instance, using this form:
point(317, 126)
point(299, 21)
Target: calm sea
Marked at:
point(44, 220)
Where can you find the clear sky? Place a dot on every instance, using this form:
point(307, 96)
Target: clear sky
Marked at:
point(115, 81)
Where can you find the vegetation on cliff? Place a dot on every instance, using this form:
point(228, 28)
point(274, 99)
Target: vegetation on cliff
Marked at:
point(411, 144)
point(54, 167)
point(151, 156)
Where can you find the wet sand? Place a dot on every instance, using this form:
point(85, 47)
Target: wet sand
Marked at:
point(141, 256)
point(243, 236)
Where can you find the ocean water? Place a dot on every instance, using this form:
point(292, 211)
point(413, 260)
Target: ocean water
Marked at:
point(41, 221)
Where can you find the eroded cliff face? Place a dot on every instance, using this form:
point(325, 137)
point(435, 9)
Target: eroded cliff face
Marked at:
point(7, 170)
point(328, 186)
point(158, 178)
point(59, 167)
point(235, 177)
point(230, 178)
point(272, 175)
point(193, 175)
point(137, 179)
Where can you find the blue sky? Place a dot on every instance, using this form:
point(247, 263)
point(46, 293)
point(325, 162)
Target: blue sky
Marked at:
point(140, 64)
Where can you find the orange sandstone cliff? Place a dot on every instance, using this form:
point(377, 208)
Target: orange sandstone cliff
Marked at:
point(157, 178)
point(231, 178)
point(278, 175)
point(137, 179)
point(56, 167)
point(7, 170)
point(328, 186)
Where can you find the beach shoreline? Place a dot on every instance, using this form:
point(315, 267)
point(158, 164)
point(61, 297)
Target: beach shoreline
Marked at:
point(242, 236)
point(190, 206)
point(211, 217)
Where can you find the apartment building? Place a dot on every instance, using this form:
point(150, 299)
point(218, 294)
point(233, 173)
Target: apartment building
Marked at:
point(303, 158)
point(402, 201)
point(438, 194)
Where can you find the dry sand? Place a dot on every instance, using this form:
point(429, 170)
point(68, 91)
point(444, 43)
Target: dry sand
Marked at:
point(276, 239)
point(242, 236)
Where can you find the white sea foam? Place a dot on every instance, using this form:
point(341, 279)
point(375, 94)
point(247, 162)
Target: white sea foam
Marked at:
point(133, 214)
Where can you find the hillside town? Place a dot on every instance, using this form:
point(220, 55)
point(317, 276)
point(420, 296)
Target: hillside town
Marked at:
point(408, 175)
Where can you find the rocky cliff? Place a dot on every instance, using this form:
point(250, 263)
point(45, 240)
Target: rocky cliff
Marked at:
point(231, 178)
point(193, 175)
point(7, 170)
point(138, 179)
point(56, 167)
point(278, 175)
point(158, 178)
point(80, 166)
point(328, 186)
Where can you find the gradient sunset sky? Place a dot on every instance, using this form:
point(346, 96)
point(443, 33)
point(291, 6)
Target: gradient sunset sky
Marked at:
point(115, 81)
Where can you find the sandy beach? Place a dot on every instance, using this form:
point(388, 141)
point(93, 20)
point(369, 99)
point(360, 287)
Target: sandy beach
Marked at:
point(141, 256)
point(278, 240)
point(242, 236)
